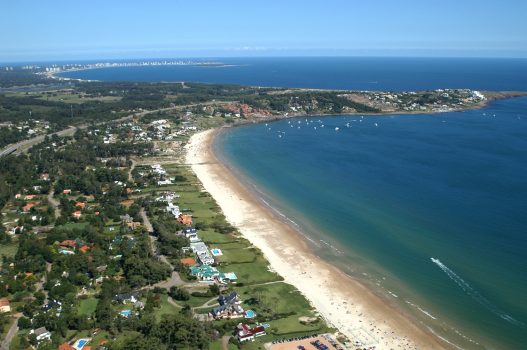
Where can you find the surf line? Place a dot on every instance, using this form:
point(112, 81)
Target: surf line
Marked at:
point(475, 294)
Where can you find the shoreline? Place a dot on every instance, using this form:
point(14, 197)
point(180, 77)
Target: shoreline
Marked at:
point(342, 301)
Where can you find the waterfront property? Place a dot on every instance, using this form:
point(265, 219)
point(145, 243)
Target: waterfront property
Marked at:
point(245, 332)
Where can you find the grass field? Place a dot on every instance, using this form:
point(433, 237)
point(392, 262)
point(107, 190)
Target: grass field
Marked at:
point(8, 249)
point(165, 308)
point(74, 98)
point(253, 273)
point(87, 306)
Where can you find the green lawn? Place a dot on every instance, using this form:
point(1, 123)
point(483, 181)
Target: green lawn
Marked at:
point(292, 325)
point(165, 308)
point(87, 306)
point(8, 249)
point(212, 237)
point(253, 273)
point(73, 225)
point(280, 297)
point(236, 255)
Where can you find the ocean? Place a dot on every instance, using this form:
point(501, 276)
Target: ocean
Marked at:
point(356, 73)
point(427, 210)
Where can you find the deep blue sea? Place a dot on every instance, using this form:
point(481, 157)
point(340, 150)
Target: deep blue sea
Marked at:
point(428, 210)
point(357, 73)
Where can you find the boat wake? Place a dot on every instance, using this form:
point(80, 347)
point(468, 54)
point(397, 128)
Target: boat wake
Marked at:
point(475, 294)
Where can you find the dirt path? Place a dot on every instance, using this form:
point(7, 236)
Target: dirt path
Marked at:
point(132, 167)
point(147, 223)
point(6, 343)
point(225, 342)
point(54, 203)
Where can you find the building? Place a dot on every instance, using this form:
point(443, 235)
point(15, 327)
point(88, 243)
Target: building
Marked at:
point(245, 333)
point(201, 250)
point(41, 334)
point(5, 306)
point(77, 215)
point(205, 272)
point(66, 346)
point(185, 219)
point(126, 298)
point(226, 299)
point(227, 311)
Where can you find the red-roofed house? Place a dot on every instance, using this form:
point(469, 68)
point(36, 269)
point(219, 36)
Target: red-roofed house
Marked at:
point(66, 192)
point(29, 197)
point(28, 207)
point(4, 305)
point(185, 219)
point(66, 346)
point(245, 333)
point(69, 243)
point(80, 205)
point(77, 215)
point(84, 248)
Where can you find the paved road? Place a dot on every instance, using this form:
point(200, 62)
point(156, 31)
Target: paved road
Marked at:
point(24, 145)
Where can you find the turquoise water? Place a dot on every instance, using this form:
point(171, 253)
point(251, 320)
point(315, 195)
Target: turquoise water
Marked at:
point(382, 200)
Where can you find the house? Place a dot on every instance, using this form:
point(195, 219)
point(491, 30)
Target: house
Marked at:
point(30, 197)
point(18, 196)
point(245, 333)
point(126, 218)
point(66, 346)
point(26, 208)
point(227, 311)
point(41, 334)
point(4, 305)
point(77, 215)
point(227, 299)
point(68, 243)
point(185, 219)
point(126, 298)
point(201, 250)
point(52, 304)
point(66, 192)
point(84, 248)
point(133, 225)
point(44, 177)
point(191, 234)
point(80, 205)
point(205, 272)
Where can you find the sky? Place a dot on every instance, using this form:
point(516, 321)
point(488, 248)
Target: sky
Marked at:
point(36, 30)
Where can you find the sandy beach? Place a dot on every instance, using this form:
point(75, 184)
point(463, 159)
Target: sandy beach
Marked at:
point(344, 302)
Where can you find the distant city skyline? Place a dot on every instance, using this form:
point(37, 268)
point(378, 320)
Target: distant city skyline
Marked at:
point(57, 31)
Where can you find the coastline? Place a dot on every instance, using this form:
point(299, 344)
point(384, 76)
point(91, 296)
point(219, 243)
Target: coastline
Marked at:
point(342, 301)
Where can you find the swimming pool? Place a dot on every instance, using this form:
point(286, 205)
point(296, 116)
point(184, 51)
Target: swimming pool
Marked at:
point(250, 314)
point(216, 251)
point(79, 344)
point(126, 313)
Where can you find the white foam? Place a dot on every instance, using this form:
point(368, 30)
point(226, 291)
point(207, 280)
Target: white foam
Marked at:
point(475, 294)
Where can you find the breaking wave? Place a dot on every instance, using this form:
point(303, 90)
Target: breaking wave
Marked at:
point(475, 294)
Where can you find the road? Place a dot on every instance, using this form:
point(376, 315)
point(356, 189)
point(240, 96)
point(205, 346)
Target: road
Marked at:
point(54, 203)
point(6, 343)
point(24, 145)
